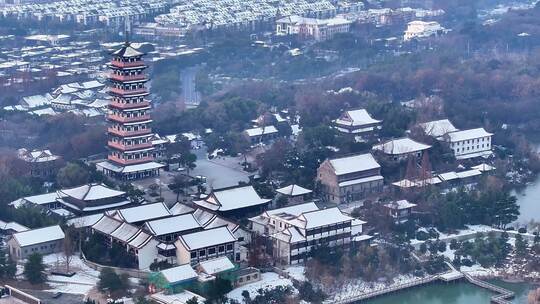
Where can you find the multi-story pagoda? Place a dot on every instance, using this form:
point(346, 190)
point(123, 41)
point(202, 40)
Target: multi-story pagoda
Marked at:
point(130, 146)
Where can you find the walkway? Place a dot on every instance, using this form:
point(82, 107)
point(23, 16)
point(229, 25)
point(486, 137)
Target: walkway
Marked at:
point(502, 295)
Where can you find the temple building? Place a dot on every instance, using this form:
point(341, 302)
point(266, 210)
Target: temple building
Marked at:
point(130, 146)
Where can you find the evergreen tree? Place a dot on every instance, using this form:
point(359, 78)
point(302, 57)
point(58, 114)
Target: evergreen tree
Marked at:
point(505, 210)
point(521, 246)
point(109, 280)
point(34, 269)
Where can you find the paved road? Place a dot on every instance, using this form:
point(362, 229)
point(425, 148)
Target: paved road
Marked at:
point(219, 172)
point(189, 92)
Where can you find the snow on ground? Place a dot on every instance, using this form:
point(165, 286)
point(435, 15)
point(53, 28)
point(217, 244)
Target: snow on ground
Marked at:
point(269, 280)
point(85, 278)
point(360, 287)
point(296, 272)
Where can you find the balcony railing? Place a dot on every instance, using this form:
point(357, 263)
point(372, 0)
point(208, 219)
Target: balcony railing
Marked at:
point(127, 92)
point(128, 119)
point(130, 161)
point(124, 147)
point(129, 133)
point(127, 77)
point(129, 105)
point(134, 64)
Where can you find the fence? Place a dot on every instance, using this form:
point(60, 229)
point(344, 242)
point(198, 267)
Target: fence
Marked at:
point(23, 296)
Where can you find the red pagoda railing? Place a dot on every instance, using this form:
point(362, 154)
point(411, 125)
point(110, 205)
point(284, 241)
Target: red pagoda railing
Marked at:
point(127, 77)
point(128, 119)
point(129, 133)
point(123, 147)
point(127, 92)
point(129, 105)
point(134, 64)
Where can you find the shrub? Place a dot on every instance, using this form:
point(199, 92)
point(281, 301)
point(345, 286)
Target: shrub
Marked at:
point(422, 235)
point(423, 248)
point(441, 246)
point(466, 262)
point(454, 244)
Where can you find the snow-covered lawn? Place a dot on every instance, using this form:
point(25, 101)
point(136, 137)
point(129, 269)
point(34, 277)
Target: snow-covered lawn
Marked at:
point(296, 272)
point(269, 280)
point(85, 278)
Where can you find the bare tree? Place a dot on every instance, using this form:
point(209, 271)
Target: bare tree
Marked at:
point(68, 248)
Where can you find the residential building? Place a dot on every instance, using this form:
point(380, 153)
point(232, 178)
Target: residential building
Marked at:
point(261, 134)
point(196, 247)
point(234, 202)
point(130, 146)
point(140, 245)
point(358, 123)
point(295, 231)
point(350, 179)
point(401, 148)
point(41, 163)
point(311, 28)
point(469, 143)
point(246, 276)
point(422, 29)
point(43, 241)
point(400, 210)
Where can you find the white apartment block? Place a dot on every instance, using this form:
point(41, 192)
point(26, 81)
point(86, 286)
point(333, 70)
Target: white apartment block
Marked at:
point(311, 28)
point(294, 231)
point(422, 29)
point(469, 143)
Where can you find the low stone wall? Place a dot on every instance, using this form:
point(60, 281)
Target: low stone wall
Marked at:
point(134, 273)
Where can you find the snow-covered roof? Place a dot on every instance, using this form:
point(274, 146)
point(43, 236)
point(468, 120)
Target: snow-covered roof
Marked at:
point(468, 134)
point(91, 192)
point(261, 130)
point(179, 273)
point(295, 210)
point(232, 199)
point(143, 212)
point(356, 118)
point(355, 163)
point(323, 217)
point(39, 236)
point(180, 208)
point(85, 221)
point(483, 167)
point(469, 173)
point(172, 224)
point(438, 128)
point(39, 199)
point(177, 298)
point(215, 266)
point(127, 51)
point(293, 190)
point(447, 176)
point(36, 156)
point(12, 226)
point(207, 238)
point(131, 168)
point(399, 205)
point(400, 146)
